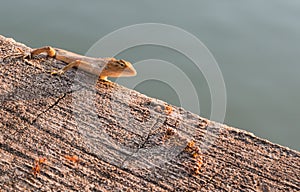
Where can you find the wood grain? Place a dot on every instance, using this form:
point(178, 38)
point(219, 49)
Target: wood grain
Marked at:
point(100, 136)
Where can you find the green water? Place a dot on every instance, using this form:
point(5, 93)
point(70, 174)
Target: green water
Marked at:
point(256, 44)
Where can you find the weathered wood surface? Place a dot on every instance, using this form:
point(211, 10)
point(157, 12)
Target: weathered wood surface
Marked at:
point(123, 139)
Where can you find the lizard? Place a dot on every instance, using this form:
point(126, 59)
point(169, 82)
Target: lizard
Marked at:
point(104, 67)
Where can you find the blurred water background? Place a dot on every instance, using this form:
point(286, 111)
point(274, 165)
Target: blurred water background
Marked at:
point(256, 44)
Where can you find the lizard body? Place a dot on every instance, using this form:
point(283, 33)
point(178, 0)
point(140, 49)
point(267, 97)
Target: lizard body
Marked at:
point(104, 67)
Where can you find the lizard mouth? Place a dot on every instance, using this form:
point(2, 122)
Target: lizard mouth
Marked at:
point(128, 72)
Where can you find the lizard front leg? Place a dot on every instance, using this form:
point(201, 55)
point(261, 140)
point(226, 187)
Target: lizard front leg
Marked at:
point(75, 63)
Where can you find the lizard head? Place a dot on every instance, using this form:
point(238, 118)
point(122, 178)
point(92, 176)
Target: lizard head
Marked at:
point(118, 68)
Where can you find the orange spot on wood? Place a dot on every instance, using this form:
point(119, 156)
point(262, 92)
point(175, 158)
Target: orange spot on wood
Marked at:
point(42, 160)
point(36, 169)
point(73, 158)
point(194, 151)
point(168, 109)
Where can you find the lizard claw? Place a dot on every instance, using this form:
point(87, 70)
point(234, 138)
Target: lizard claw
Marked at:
point(29, 56)
point(57, 72)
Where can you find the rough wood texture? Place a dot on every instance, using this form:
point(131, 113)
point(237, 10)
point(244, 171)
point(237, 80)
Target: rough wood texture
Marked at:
point(123, 140)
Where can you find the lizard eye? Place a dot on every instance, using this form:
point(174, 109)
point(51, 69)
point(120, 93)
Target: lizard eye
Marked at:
point(122, 63)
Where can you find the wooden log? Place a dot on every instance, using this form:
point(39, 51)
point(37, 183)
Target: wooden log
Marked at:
point(77, 133)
